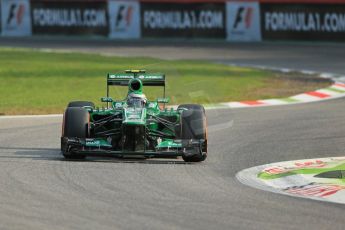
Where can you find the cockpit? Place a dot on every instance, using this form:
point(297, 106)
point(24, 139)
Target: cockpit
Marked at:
point(136, 100)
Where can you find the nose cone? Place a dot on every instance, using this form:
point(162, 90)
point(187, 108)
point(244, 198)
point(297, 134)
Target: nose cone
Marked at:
point(134, 116)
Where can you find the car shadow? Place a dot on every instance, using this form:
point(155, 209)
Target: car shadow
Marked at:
point(54, 154)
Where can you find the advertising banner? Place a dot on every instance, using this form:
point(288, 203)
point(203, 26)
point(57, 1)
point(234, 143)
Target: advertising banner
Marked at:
point(243, 21)
point(303, 22)
point(183, 20)
point(15, 18)
point(69, 17)
point(124, 19)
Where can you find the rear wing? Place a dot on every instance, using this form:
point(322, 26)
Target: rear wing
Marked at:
point(146, 79)
point(122, 79)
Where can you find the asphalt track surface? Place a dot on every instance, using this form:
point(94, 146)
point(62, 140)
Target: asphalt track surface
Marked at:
point(40, 190)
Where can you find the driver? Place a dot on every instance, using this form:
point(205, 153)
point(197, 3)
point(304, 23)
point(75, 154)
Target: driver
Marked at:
point(137, 100)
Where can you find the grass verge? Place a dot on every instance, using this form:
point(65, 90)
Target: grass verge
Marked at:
point(36, 82)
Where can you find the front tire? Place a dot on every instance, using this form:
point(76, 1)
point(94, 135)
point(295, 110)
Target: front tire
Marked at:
point(75, 124)
point(194, 126)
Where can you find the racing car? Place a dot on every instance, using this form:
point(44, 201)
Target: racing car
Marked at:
point(134, 126)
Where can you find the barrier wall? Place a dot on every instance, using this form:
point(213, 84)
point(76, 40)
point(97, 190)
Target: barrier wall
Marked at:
point(231, 20)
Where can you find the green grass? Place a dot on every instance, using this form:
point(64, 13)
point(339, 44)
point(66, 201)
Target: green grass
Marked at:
point(35, 82)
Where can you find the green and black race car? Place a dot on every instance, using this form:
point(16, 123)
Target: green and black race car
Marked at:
point(134, 126)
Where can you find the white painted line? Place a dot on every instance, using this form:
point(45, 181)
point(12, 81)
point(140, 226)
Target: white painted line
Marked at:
point(327, 75)
point(285, 70)
point(235, 105)
point(341, 78)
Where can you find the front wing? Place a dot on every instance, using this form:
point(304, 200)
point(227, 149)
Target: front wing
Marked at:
point(99, 147)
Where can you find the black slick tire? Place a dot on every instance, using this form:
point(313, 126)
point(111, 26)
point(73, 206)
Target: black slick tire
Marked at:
point(194, 126)
point(75, 124)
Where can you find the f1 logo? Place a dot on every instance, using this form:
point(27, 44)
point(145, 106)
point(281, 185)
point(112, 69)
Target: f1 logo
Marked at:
point(244, 16)
point(15, 14)
point(243, 21)
point(123, 17)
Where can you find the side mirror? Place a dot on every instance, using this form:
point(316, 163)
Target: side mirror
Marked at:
point(163, 100)
point(106, 99)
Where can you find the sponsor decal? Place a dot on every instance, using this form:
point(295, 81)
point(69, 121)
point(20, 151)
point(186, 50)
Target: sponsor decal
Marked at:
point(133, 116)
point(243, 21)
point(303, 22)
point(315, 190)
point(15, 18)
point(120, 76)
point(203, 20)
point(124, 19)
point(93, 143)
point(69, 17)
point(308, 22)
point(157, 77)
point(183, 20)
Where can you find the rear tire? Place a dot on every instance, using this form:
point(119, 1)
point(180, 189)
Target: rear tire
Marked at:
point(75, 124)
point(194, 126)
point(80, 104)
